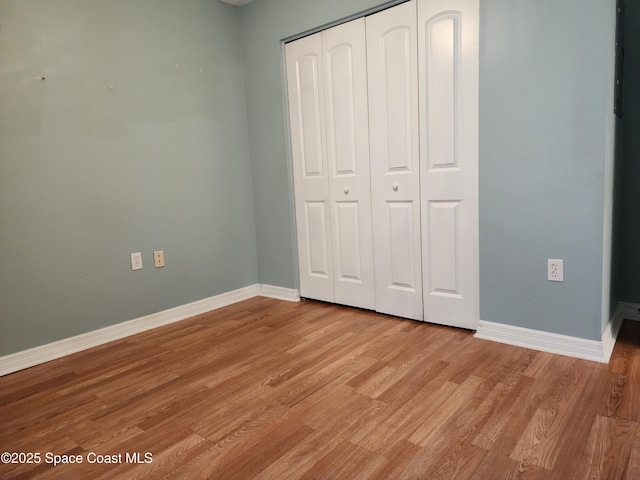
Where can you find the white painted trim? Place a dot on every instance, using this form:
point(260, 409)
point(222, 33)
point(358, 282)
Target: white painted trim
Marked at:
point(543, 341)
point(596, 351)
point(611, 331)
point(629, 311)
point(281, 293)
point(45, 353)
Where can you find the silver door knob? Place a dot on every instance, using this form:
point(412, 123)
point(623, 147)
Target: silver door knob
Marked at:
point(346, 190)
point(395, 187)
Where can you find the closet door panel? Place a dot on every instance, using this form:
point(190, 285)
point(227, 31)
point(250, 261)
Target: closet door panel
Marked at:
point(448, 63)
point(347, 234)
point(345, 87)
point(443, 267)
point(311, 176)
point(403, 263)
point(395, 173)
point(317, 249)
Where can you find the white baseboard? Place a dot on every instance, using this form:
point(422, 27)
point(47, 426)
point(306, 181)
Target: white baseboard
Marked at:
point(45, 353)
point(281, 293)
point(629, 311)
point(596, 351)
point(611, 331)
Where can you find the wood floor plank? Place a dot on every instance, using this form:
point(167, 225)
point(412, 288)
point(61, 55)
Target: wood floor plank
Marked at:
point(626, 385)
point(396, 458)
point(528, 403)
point(398, 424)
point(345, 460)
point(464, 399)
point(406, 387)
point(503, 414)
point(497, 466)
point(538, 443)
point(633, 467)
point(542, 364)
point(510, 367)
point(228, 422)
point(161, 464)
point(180, 410)
point(61, 445)
point(248, 459)
point(609, 449)
point(270, 389)
point(335, 424)
point(580, 426)
point(459, 462)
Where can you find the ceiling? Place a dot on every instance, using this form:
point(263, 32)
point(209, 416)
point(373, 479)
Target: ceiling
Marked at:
point(237, 3)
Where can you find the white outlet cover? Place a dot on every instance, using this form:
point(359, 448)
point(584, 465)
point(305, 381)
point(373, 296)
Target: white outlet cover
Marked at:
point(555, 270)
point(136, 261)
point(158, 258)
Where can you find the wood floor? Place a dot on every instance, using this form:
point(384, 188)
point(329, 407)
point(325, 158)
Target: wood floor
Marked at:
point(276, 390)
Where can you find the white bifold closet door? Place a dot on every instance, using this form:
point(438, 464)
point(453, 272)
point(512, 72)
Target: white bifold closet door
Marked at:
point(448, 73)
point(327, 87)
point(392, 52)
point(384, 134)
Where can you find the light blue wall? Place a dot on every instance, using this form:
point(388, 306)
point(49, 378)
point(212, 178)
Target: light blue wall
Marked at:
point(544, 90)
point(89, 174)
point(545, 70)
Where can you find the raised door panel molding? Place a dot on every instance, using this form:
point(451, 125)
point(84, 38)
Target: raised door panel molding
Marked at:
point(442, 57)
point(309, 123)
point(341, 129)
point(400, 240)
point(317, 251)
point(347, 232)
point(443, 272)
point(396, 101)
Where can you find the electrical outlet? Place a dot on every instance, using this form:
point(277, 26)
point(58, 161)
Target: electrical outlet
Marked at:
point(136, 261)
point(158, 258)
point(555, 270)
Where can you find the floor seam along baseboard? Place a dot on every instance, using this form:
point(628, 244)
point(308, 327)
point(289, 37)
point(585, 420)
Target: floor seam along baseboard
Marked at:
point(44, 353)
